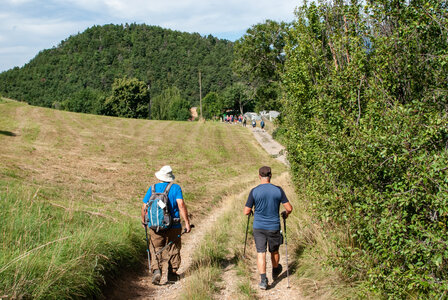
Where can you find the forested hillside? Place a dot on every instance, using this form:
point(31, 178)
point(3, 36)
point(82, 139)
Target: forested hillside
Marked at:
point(80, 71)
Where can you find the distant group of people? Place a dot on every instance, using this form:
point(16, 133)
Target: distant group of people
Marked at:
point(234, 119)
point(254, 124)
point(240, 119)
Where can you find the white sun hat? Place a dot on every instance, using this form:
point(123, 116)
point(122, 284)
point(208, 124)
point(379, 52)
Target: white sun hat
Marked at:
point(165, 174)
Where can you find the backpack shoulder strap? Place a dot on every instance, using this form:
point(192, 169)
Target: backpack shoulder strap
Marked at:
point(153, 189)
point(168, 187)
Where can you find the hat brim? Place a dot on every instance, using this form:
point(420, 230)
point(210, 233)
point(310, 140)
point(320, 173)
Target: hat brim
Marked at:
point(165, 177)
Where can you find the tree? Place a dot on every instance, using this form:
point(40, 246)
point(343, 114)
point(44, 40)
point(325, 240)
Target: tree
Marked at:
point(237, 97)
point(365, 113)
point(211, 106)
point(259, 61)
point(179, 109)
point(86, 101)
point(169, 105)
point(129, 99)
point(95, 57)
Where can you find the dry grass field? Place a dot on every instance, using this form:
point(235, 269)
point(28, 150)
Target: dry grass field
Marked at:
point(71, 188)
point(70, 195)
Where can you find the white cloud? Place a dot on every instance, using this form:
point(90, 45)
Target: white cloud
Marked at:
point(231, 13)
point(13, 50)
point(39, 24)
point(17, 2)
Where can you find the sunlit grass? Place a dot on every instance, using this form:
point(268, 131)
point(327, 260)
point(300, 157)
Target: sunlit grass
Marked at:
point(50, 252)
point(221, 249)
point(71, 188)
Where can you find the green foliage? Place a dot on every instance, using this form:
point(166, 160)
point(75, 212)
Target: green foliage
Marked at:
point(259, 61)
point(237, 97)
point(169, 105)
point(129, 99)
point(365, 113)
point(38, 256)
point(85, 101)
point(92, 60)
point(211, 105)
point(179, 109)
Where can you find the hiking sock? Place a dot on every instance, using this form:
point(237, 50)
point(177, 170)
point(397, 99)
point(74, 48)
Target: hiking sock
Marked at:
point(264, 282)
point(156, 275)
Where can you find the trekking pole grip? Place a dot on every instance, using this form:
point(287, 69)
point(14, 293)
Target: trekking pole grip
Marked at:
point(185, 229)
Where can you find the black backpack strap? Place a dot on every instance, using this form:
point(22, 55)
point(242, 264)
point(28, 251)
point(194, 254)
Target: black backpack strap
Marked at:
point(168, 187)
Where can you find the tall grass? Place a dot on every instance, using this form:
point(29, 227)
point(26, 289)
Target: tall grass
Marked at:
point(221, 247)
point(208, 259)
point(309, 245)
point(48, 252)
point(71, 188)
point(312, 243)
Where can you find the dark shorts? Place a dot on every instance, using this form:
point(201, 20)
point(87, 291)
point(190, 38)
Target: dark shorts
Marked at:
point(271, 237)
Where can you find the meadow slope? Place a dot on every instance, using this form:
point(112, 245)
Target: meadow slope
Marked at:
point(71, 188)
point(70, 196)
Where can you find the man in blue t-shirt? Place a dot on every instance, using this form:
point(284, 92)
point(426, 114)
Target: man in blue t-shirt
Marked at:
point(159, 239)
point(266, 198)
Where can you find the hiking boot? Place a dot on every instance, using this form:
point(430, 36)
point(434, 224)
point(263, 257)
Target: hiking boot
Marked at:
point(263, 284)
point(156, 275)
point(277, 271)
point(173, 276)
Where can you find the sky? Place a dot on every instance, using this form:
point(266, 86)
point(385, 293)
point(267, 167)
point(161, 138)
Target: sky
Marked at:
point(29, 26)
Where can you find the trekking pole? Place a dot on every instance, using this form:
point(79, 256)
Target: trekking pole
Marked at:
point(247, 229)
point(286, 247)
point(178, 236)
point(147, 247)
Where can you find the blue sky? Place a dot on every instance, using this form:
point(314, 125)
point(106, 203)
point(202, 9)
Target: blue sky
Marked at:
point(29, 26)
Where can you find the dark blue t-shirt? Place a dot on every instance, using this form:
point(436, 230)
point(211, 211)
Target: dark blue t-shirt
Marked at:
point(174, 194)
point(266, 198)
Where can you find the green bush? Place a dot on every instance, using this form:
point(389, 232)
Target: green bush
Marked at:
point(129, 99)
point(366, 123)
point(169, 105)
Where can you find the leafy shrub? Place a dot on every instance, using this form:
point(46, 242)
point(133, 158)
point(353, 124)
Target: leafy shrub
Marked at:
point(129, 99)
point(170, 106)
point(366, 123)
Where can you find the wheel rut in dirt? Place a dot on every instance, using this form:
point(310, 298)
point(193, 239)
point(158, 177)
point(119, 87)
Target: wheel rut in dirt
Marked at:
point(137, 285)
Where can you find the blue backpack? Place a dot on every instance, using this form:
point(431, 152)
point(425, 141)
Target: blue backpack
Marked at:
point(158, 216)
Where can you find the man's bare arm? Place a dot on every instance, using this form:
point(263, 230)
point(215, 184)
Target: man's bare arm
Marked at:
point(184, 213)
point(247, 210)
point(143, 213)
point(288, 208)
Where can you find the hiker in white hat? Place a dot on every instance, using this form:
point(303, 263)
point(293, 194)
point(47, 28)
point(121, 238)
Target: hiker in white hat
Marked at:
point(162, 207)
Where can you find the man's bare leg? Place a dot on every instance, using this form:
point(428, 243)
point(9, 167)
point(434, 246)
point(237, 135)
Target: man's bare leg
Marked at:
point(275, 259)
point(261, 262)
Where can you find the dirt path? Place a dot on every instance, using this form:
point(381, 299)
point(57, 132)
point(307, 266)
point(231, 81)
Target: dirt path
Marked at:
point(271, 146)
point(140, 286)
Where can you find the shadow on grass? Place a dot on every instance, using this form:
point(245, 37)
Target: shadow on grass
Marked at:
point(292, 266)
point(128, 283)
point(220, 262)
point(7, 133)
